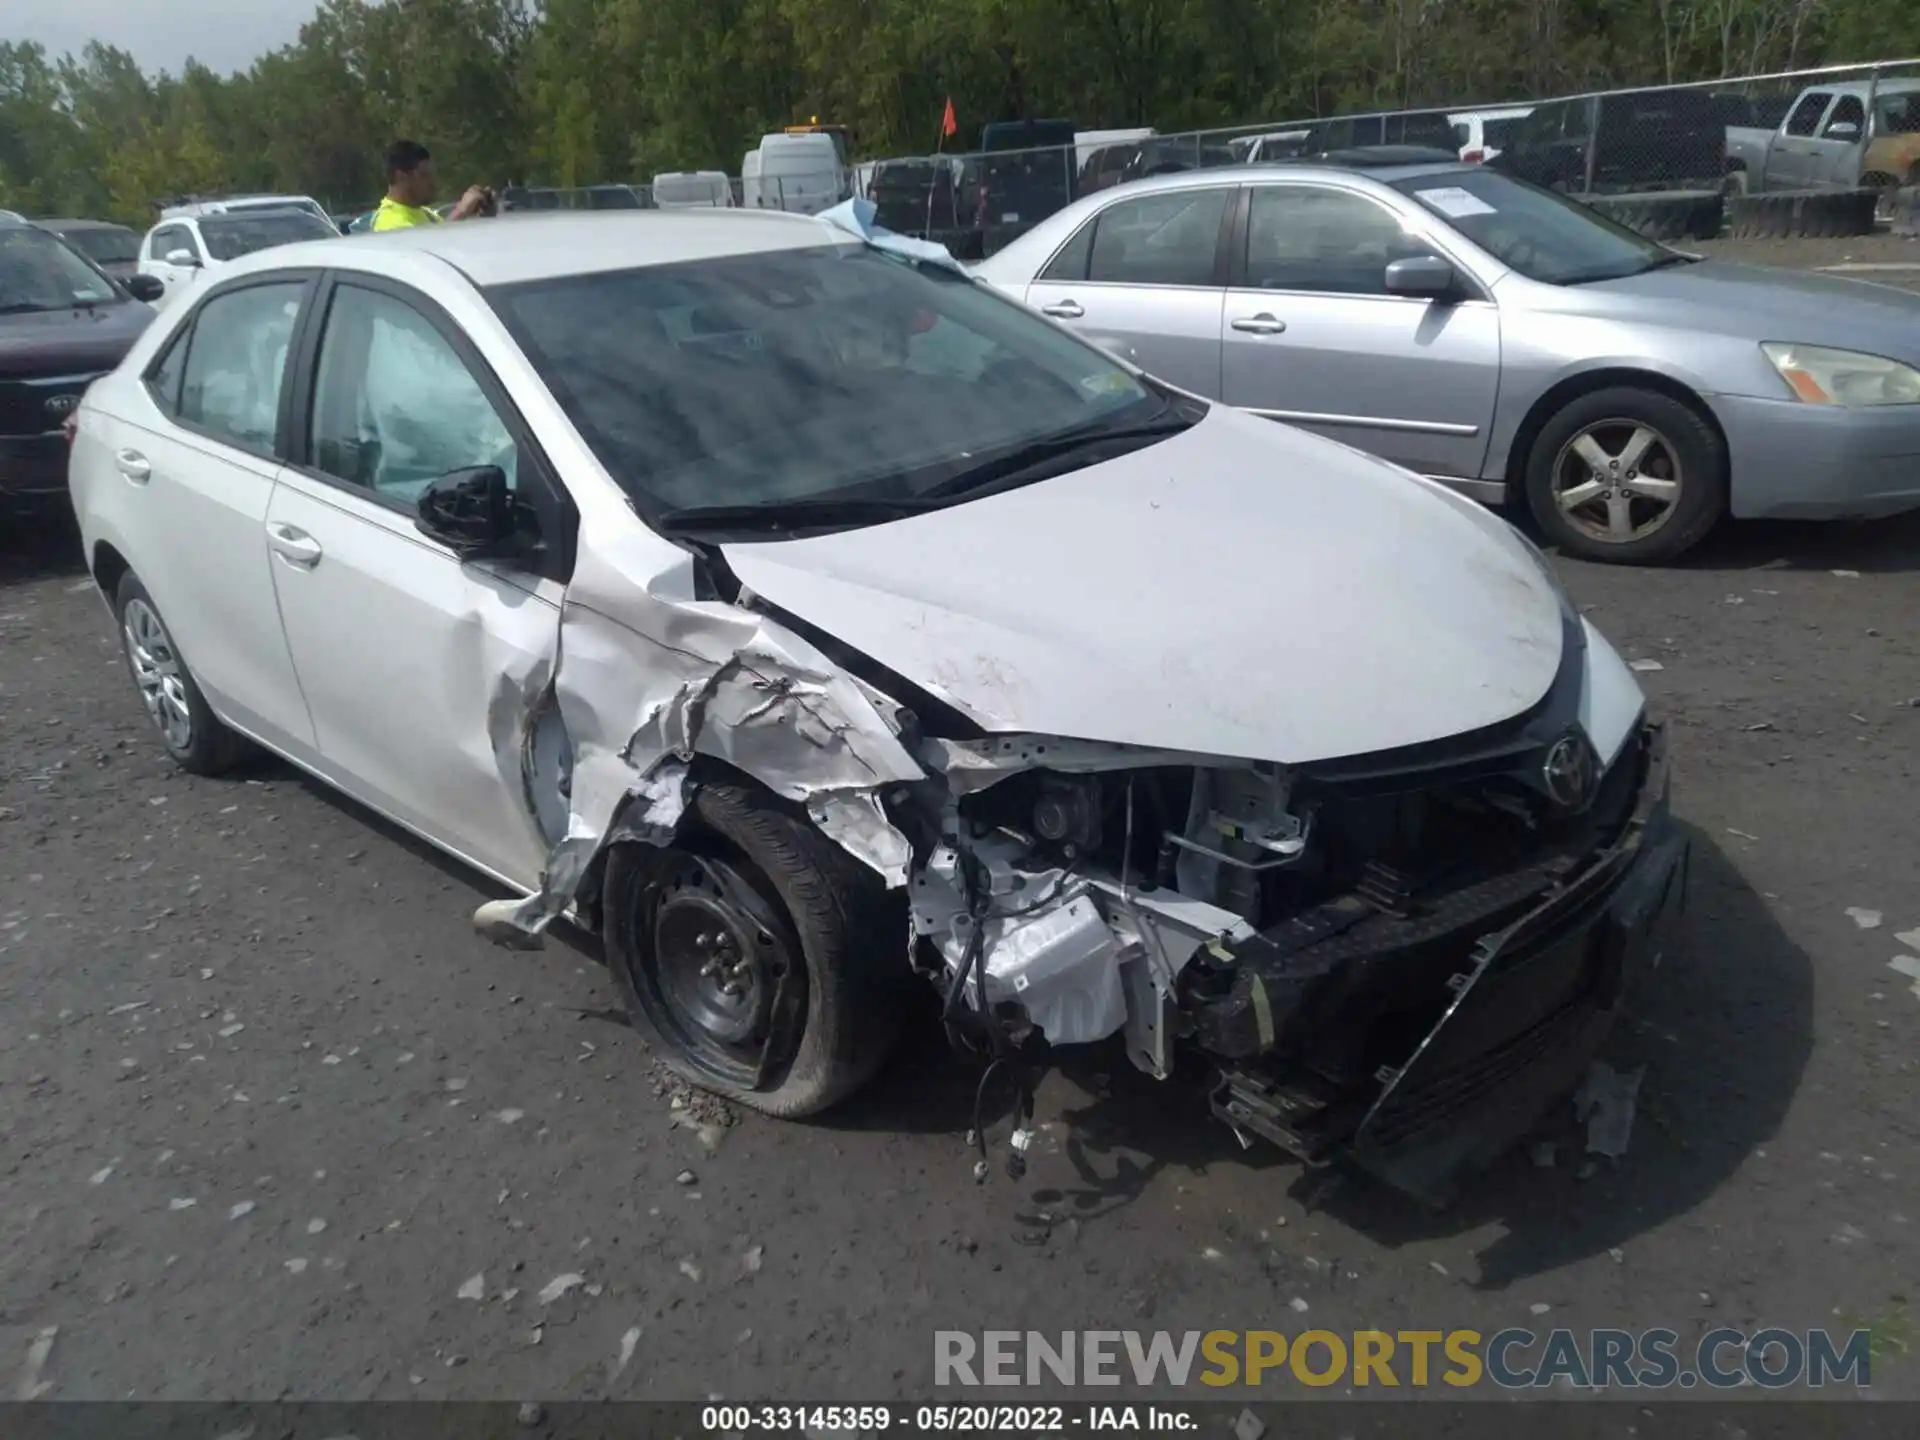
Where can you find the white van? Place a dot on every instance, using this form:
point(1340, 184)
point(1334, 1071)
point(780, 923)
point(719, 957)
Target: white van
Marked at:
point(692, 190)
point(750, 195)
point(1482, 134)
point(801, 173)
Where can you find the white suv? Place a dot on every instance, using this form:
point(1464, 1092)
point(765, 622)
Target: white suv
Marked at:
point(182, 248)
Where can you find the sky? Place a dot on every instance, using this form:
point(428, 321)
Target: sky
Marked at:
point(223, 35)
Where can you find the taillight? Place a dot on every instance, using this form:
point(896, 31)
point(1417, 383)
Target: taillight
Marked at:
point(1473, 157)
point(70, 427)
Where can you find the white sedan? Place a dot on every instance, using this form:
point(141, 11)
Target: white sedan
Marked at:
point(803, 615)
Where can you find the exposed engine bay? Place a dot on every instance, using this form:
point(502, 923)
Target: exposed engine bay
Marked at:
point(1307, 935)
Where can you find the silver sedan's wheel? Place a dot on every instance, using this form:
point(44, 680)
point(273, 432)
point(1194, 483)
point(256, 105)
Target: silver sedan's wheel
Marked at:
point(1617, 481)
point(199, 742)
point(156, 670)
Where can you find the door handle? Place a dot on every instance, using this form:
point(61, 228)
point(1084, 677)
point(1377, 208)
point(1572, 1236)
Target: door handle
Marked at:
point(133, 465)
point(1261, 324)
point(293, 545)
point(1063, 310)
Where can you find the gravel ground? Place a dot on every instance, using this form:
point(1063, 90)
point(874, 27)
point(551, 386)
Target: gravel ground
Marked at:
point(276, 1124)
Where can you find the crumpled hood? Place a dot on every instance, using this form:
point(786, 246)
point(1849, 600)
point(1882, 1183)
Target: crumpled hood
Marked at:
point(1242, 589)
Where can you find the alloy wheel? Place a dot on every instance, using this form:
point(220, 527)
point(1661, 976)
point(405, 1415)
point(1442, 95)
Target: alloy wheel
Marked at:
point(1617, 480)
point(157, 671)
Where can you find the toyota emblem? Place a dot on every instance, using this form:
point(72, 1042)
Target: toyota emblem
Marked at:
point(1569, 772)
point(61, 406)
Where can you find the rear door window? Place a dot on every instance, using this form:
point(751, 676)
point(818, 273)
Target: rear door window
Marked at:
point(1172, 238)
point(230, 387)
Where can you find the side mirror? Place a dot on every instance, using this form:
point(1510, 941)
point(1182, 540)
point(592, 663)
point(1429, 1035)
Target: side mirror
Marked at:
point(473, 513)
point(1424, 276)
point(182, 257)
point(1843, 130)
point(145, 287)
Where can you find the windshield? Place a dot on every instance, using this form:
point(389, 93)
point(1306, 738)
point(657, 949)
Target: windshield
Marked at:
point(106, 245)
point(38, 272)
point(1542, 235)
point(249, 207)
point(832, 373)
point(230, 236)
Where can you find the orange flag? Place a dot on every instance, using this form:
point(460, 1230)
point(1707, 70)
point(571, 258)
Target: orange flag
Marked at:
point(948, 124)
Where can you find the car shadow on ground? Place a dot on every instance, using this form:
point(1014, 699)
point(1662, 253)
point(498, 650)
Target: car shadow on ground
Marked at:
point(1724, 1028)
point(1723, 1025)
point(39, 545)
point(1871, 547)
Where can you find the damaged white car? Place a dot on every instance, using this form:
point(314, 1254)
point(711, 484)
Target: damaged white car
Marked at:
point(805, 617)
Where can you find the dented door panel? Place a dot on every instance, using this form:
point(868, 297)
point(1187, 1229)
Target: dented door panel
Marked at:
point(423, 675)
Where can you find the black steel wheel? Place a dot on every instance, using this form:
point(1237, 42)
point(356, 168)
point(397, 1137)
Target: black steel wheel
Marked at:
point(724, 980)
point(760, 960)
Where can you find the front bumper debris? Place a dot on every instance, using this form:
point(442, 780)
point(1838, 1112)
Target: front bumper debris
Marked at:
point(1531, 1002)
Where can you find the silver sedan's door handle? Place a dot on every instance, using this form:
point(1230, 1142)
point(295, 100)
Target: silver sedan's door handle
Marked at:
point(293, 545)
point(1261, 324)
point(1063, 310)
point(133, 465)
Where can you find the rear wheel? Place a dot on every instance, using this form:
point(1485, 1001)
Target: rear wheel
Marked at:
point(755, 955)
point(192, 734)
point(1627, 475)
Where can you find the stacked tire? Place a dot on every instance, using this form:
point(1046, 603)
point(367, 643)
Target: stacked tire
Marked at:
point(1793, 214)
point(1665, 214)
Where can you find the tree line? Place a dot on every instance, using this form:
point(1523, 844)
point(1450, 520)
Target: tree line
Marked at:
point(574, 92)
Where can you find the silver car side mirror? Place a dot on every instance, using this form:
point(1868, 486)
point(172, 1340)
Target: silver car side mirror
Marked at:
point(1425, 276)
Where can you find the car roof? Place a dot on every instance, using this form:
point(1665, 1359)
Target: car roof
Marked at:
point(551, 245)
point(1301, 169)
point(62, 222)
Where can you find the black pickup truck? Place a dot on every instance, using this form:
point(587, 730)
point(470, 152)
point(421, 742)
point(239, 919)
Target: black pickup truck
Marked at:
point(1025, 171)
point(1637, 140)
point(63, 324)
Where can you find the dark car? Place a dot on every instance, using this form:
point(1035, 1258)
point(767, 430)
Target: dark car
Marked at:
point(1428, 129)
point(63, 324)
point(1026, 170)
point(1171, 155)
point(1641, 140)
point(916, 197)
point(114, 248)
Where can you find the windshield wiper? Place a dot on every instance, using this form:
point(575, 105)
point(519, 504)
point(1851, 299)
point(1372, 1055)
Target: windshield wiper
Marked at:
point(780, 515)
point(26, 307)
point(1057, 453)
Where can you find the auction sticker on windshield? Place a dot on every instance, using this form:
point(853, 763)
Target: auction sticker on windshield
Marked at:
point(1451, 200)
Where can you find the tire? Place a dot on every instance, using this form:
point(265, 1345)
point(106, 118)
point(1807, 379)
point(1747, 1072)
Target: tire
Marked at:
point(1812, 214)
point(1687, 452)
point(1736, 184)
point(807, 904)
point(199, 742)
point(1665, 214)
point(1904, 208)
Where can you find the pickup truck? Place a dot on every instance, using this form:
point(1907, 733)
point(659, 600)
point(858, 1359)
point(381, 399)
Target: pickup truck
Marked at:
point(1837, 136)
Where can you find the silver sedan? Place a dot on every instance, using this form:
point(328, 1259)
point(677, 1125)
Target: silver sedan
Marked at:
point(1505, 340)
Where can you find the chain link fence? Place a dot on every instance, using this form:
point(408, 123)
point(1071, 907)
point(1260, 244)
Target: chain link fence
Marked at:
point(1818, 151)
point(1828, 151)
